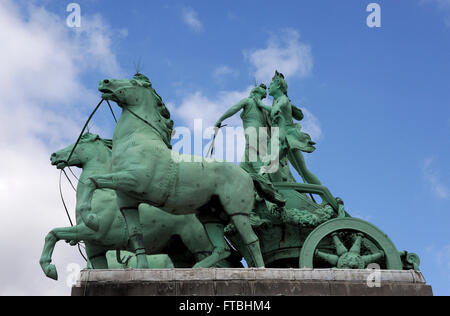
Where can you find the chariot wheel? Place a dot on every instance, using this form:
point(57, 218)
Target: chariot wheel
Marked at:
point(349, 243)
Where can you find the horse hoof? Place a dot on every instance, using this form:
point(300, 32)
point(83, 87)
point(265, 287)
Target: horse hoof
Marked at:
point(142, 262)
point(51, 272)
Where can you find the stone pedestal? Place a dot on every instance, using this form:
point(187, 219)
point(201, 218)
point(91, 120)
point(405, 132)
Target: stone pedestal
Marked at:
point(250, 282)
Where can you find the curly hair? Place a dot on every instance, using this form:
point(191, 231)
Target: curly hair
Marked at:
point(261, 88)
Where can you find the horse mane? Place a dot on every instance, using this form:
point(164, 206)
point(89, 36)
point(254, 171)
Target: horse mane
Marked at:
point(107, 142)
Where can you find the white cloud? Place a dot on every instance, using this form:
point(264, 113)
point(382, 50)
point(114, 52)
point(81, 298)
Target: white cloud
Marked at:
point(198, 106)
point(223, 71)
point(285, 53)
point(431, 175)
point(311, 125)
point(190, 17)
point(42, 108)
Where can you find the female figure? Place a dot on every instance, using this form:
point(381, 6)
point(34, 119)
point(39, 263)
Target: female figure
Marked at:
point(292, 141)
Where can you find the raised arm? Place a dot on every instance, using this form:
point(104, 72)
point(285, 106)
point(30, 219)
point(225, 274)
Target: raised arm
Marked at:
point(232, 111)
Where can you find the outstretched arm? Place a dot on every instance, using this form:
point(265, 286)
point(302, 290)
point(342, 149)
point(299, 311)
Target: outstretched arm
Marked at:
point(232, 111)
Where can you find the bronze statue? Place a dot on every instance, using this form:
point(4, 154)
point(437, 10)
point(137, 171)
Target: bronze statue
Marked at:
point(292, 140)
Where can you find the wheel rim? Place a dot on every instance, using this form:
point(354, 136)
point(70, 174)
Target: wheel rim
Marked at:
point(349, 258)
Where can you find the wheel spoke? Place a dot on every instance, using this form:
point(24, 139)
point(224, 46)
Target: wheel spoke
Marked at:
point(368, 259)
point(340, 248)
point(328, 257)
point(356, 248)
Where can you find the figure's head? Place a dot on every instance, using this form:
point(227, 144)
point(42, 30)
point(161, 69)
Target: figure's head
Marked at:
point(278, 84)
point(127, 91)
point(259, 91)
point(307, 143)
point(87, 149)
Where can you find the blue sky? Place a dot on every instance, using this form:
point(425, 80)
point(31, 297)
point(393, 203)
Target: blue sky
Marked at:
point(377, 99)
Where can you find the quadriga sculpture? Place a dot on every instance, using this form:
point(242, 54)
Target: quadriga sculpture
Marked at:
point(93, 154)
point(144, 171)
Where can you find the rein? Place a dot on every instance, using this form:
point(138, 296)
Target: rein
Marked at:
point(73, 150)
point(211, 147)
point(67, 165)
point(145, 121)
point(82, 131)
point(65, 207)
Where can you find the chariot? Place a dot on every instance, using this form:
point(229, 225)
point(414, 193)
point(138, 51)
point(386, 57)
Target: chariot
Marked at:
point(307, 234)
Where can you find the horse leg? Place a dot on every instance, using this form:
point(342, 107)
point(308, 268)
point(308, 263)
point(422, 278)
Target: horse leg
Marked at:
point(46, 257)
point(121, 182)
point(214, 231)
point(135, 235)
point(193, 236)
point(84, 206)
point(97, 257)
point(248, 236)
point(115, 181)
point(76, 233)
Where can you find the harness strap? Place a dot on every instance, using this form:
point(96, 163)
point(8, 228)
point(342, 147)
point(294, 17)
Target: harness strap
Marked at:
point(253, 242)
point(149, 124)
point(95, 183)
point(172, 175)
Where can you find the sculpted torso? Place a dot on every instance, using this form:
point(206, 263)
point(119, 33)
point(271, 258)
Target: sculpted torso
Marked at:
point(252, 115)
point(282, 111)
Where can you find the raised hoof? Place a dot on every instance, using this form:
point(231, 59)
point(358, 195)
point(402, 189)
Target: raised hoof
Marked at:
point(51, 272)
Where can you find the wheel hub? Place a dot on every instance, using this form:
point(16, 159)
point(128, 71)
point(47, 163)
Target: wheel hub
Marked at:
point(351, 260)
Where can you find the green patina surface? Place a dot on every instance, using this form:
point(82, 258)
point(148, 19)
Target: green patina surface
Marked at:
point(133, 195)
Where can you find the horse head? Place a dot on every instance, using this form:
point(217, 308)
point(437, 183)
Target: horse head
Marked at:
point(86, 150)
point(138, 94)
point(126, 92)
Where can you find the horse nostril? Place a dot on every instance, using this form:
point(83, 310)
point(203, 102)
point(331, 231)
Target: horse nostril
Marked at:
point(53, 155)
point(106, 81)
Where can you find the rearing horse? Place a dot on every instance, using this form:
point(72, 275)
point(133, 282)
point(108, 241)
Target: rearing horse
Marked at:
point(93, 155)
point(144, 171)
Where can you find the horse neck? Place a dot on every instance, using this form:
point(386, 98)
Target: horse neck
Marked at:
point(145, 114)
point(147, 106)
point(100, 164)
